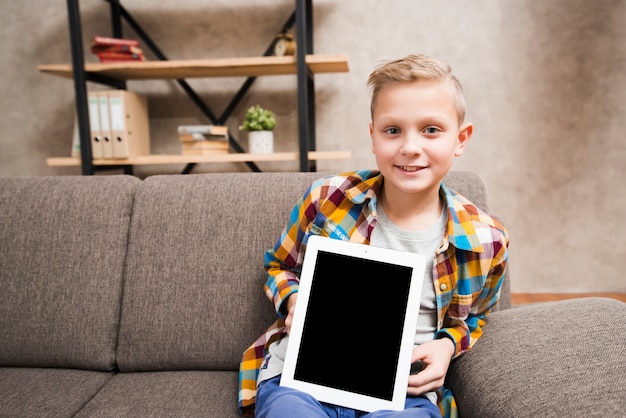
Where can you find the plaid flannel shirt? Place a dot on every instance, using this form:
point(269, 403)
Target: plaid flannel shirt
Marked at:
point(468, 269)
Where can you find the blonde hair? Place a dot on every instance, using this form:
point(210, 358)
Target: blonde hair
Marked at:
point(415, 68)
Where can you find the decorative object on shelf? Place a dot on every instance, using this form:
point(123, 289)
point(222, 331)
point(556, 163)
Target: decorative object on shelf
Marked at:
point(285, 44)
point(261, 142)
point(260, 124)
point(203, 139)
point(116, 49)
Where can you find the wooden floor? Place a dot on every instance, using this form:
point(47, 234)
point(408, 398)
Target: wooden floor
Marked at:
point(524, 298)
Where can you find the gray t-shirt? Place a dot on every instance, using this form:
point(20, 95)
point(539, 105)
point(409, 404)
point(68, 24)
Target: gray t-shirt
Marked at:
point(425, 242)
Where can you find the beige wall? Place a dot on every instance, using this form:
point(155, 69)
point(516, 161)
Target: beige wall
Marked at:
point(544, 81)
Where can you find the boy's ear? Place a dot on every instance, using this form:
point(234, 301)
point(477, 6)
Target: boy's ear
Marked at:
point(465, 133)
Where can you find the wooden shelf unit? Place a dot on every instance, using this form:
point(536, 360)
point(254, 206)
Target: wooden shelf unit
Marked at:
point(304, 65)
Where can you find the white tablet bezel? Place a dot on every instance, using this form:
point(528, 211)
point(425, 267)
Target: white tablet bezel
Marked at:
point(340, 397)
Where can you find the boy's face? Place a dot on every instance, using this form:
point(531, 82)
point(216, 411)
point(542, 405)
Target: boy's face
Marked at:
point(416, 135)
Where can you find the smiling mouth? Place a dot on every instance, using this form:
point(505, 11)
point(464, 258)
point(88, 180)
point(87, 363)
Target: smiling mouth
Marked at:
point(410, 168)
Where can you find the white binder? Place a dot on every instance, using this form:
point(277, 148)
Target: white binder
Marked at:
point(94, 125)
point(105, 124)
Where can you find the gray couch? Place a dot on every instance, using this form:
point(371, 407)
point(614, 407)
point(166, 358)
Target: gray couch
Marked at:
point(129, 298)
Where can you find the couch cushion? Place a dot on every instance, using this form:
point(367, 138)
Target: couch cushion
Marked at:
point(63, 243)
point(193, 295)
point(546, 360)
point(207, 394)
point(27, 392)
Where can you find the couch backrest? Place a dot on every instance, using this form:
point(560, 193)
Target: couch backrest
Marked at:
point(193, 296)
point(62, 250)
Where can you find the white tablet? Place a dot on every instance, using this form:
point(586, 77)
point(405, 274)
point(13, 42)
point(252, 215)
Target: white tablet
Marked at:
point(354, 324)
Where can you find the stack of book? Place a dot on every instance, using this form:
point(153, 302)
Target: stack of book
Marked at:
point(116, 49)
point(203, 139)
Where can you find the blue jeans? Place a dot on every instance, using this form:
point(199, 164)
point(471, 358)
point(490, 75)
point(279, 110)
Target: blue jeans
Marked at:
point(275, 401)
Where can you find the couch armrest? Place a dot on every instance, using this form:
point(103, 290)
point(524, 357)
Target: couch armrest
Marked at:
point(553, 359)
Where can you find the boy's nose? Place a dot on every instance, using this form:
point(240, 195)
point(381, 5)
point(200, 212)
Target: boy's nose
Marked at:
point(412, 143)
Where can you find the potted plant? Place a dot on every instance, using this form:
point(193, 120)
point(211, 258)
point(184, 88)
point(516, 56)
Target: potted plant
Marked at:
point(259, 123)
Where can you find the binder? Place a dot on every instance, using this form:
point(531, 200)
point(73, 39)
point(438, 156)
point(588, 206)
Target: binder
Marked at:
point(105, 124)
point(75, 140)
point(129, 124)
point(94, 125)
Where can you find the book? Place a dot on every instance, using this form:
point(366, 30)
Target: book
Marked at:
point(98, 48)
point(104, 40)
point(196, 136)
point(203, 129)
point(110, 56)
point(205, 147)
point(116, 49)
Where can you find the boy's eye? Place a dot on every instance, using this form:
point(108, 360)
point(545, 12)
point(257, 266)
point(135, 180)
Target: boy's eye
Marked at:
point(392, 131)
point(431, 130)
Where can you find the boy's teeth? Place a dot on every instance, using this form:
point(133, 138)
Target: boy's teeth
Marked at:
point(407, 168)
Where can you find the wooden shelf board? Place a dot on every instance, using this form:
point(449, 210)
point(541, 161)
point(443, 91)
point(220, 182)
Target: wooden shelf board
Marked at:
point(216, 158)
point(223, 67)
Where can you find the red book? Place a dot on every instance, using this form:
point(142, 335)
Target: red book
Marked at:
point(97, 48)
point(103, 40)
point(119, 56)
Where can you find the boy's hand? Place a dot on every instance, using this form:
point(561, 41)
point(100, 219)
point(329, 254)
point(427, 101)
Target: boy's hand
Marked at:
point(291, 304)
point(435, 356)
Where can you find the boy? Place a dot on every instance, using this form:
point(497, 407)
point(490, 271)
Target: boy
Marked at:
point(417, 129)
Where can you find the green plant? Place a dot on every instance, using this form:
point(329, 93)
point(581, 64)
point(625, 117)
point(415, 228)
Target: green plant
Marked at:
point(258, 119)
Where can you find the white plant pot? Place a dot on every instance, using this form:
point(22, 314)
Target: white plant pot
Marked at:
point(261, 142)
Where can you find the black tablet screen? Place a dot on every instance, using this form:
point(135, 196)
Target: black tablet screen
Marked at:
point(353, 326)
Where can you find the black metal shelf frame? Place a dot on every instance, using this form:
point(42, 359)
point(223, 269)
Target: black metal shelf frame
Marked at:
point(302, 17)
